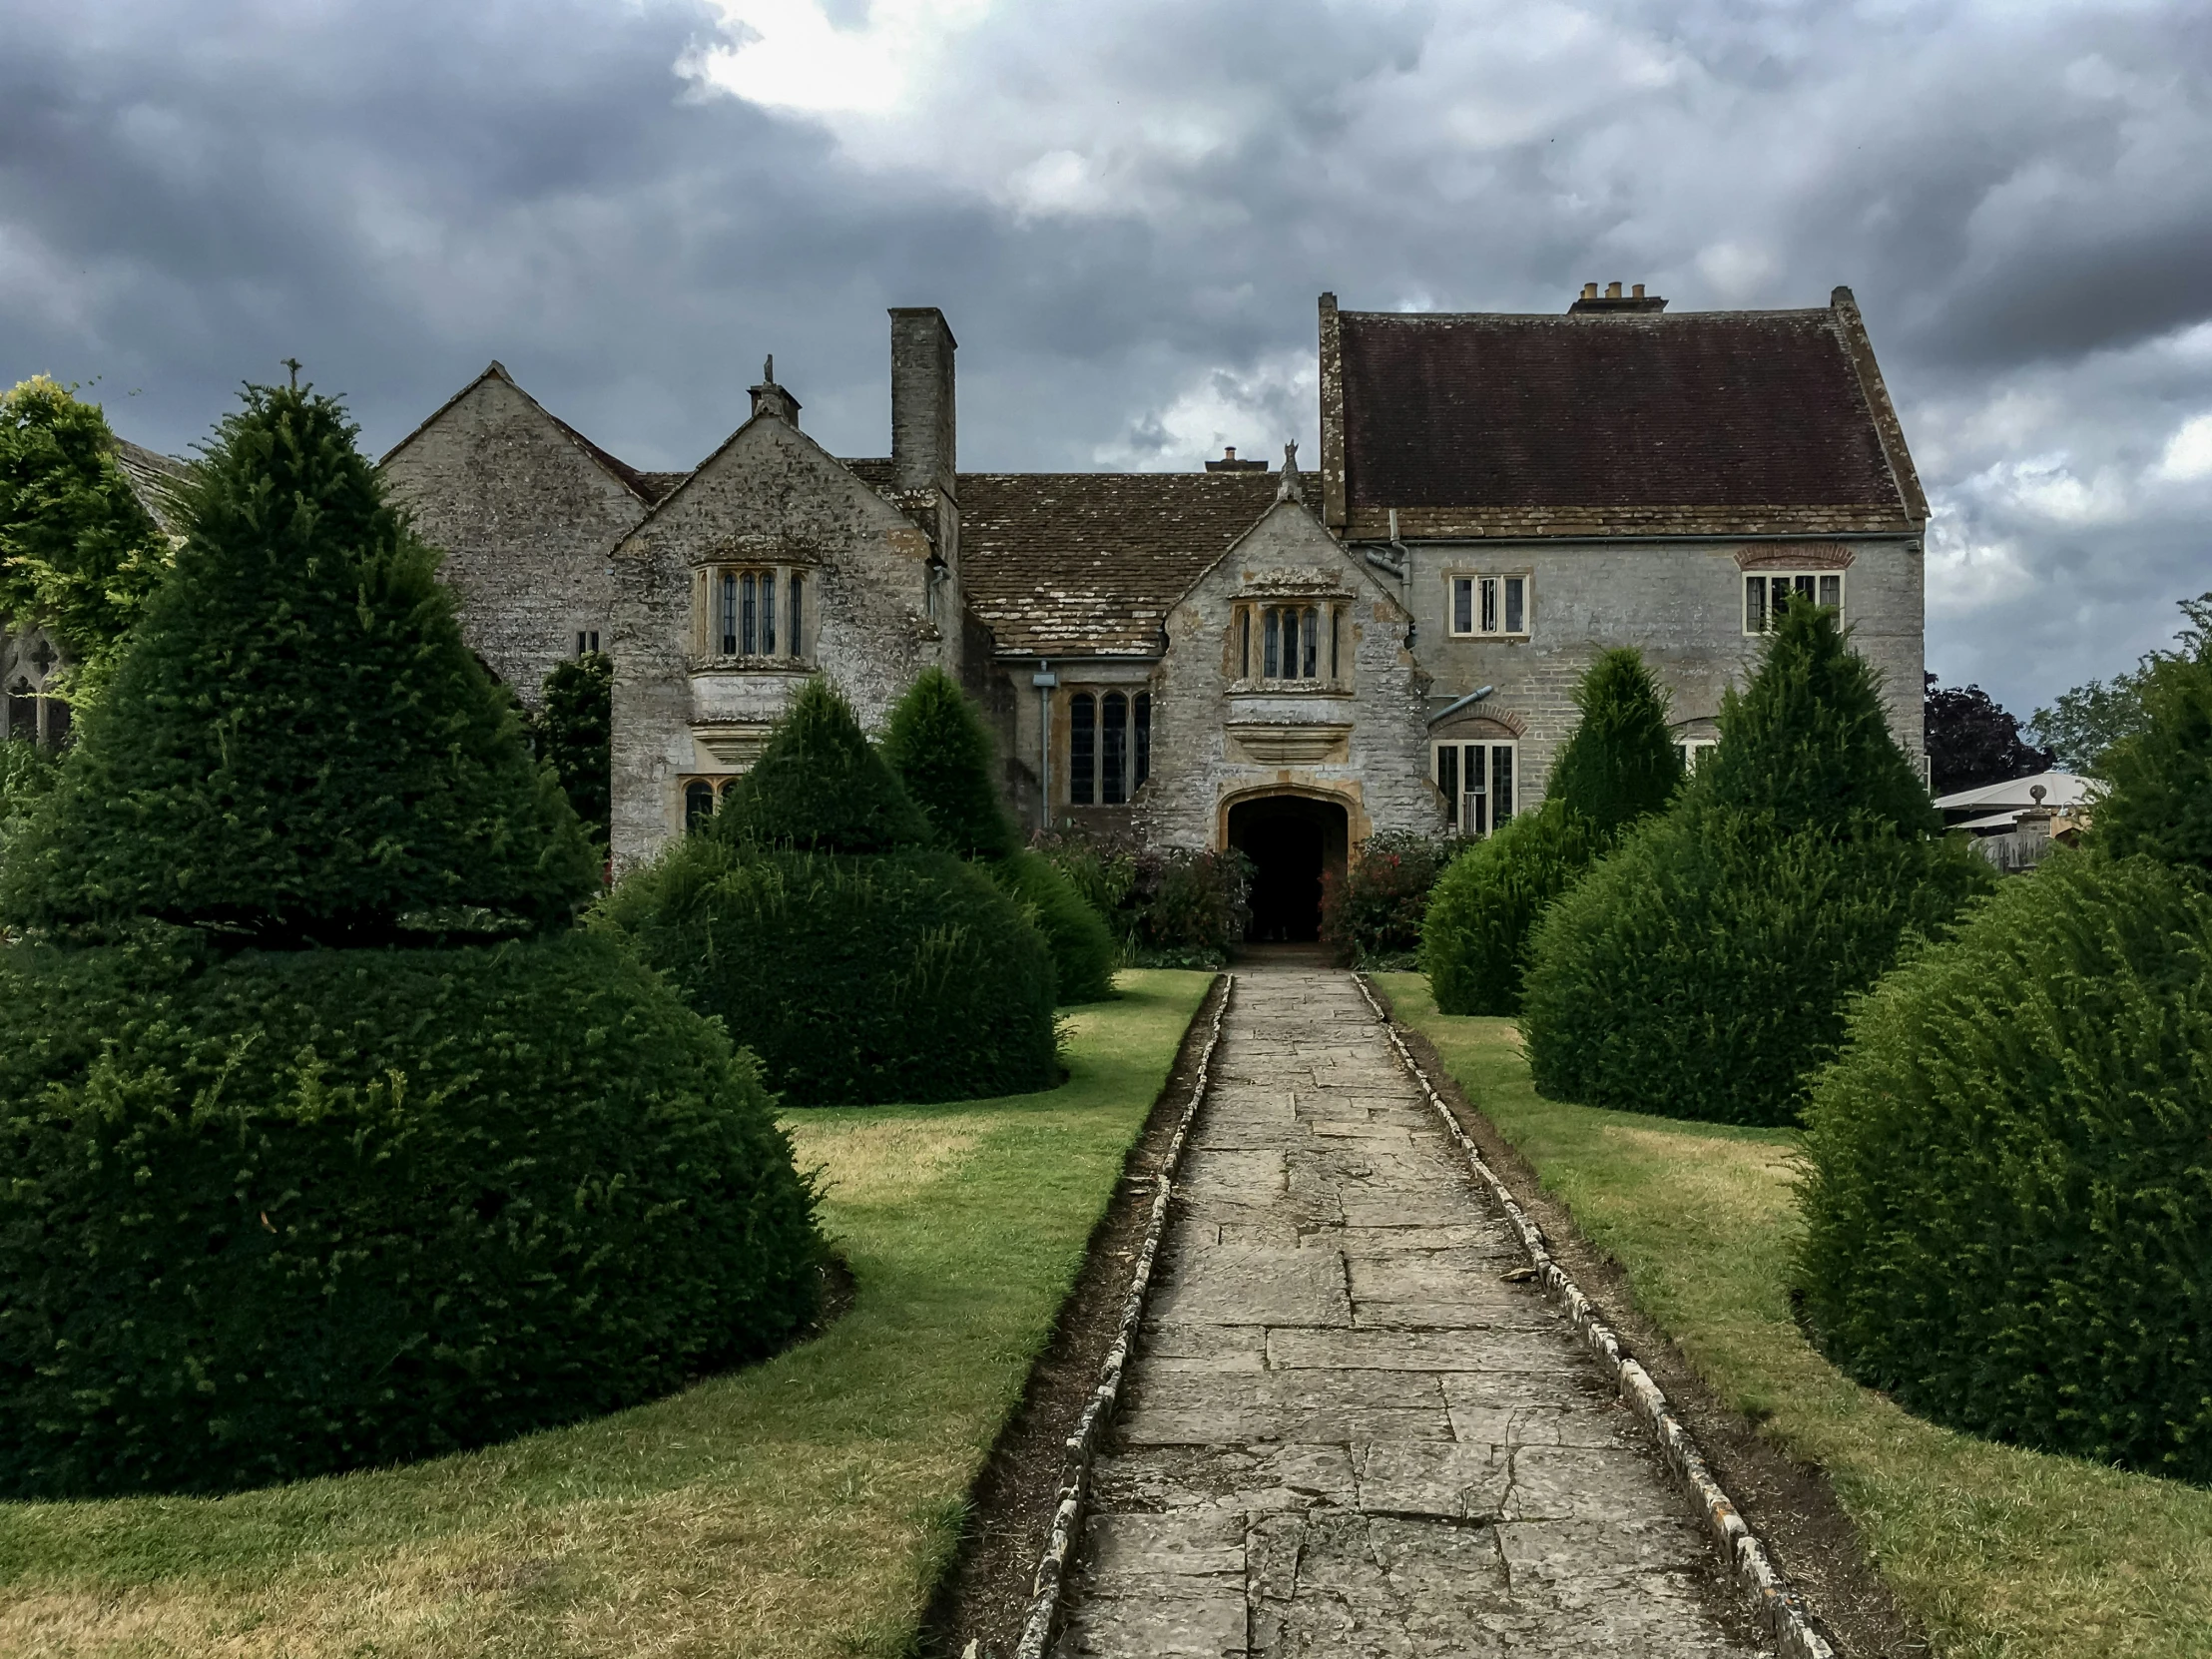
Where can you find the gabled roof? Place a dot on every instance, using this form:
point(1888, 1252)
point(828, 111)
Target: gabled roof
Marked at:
point(648, 487)
point(1636, 423)
point(1077, 564)
point(155, 479)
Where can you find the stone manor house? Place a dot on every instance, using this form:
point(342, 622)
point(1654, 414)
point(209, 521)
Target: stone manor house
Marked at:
point(1281, 660)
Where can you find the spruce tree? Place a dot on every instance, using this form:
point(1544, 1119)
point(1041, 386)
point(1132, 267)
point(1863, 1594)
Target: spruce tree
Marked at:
point(938, 747)
point(298, 749)
point(1807, 740)
point(820, 786)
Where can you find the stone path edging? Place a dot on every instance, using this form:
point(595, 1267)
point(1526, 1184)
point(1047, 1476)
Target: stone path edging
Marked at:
point(1082, 1445)
point(1780, 1612)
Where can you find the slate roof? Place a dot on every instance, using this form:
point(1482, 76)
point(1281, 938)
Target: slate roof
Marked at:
point(1639, 422)
point(1088, 563)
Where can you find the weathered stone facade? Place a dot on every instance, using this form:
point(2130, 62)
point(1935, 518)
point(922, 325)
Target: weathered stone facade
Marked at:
point(1499, 499)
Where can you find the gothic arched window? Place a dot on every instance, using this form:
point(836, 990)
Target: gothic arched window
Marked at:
point(699, 806)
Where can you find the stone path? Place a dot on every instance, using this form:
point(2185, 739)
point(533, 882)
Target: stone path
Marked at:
point(1346, 1433)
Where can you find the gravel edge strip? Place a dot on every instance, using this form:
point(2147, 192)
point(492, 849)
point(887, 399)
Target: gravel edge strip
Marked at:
point(1075, 1481)
point(1778, 1610)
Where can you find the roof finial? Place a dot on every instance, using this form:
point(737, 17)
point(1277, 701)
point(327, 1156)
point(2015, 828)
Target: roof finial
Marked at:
point(768, 369)
point(1289, 489)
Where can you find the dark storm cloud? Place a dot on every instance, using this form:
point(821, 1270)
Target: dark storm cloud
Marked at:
point(1127, 212)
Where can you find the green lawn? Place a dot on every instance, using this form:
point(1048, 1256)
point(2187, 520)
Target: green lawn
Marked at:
point(803, 1506)
point(1993, 1550)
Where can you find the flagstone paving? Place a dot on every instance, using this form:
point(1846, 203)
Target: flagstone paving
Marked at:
point(1347, 1433)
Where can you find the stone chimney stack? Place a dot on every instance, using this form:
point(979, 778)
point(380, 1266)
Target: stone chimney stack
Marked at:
point(925, 453)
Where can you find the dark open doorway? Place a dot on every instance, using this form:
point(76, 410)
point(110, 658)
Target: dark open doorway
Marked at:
point(1290, 839)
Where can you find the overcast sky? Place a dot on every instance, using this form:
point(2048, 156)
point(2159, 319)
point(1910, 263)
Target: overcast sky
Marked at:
point(1127, 210)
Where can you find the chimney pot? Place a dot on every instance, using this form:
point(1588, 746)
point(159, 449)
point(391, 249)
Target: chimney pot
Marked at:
point(1612, 290)
point(1228, 451)
point(1589, 291)
point(1637, 292)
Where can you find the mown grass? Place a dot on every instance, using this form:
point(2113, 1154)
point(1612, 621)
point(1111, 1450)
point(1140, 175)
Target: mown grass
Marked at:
point(1993, 1550)
point(803, 1506)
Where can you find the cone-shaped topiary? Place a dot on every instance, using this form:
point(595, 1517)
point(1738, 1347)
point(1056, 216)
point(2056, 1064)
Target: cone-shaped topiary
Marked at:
point(1474, 937)
point(2008, 1198)
point(1808, 744)
point(862, 964)
point(1701, 969)
point(2159, 802)
point(820, 786)
point(1083, 952)
point(2008, 1194)
point(1619, 765)
point(297, 748)
point(937, 744)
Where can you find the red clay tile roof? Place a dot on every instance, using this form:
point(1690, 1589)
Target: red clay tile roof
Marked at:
point(1525, 417)
point(1087, 563)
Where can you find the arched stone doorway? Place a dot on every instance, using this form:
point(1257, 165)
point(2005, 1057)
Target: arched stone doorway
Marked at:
point(1291, 839)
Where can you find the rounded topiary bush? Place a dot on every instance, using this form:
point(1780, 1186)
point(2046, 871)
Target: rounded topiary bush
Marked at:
point(1083, 953)
point(856, 980)
point(1474, 938)
point(1619, 765)
point(2009, 1201)
point(1702, 968)
point(276, 1214)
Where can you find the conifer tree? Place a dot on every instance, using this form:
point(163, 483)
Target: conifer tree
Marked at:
point(298, 747)
point(820, 786)
point(575, 729)
point(938, 747)
point(1807, 740)
point(1621, 763)
point(1704, 967)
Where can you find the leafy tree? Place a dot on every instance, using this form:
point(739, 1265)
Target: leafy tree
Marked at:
point(1972, 741)
point(298, 749)
point(2159, 800)
point(2084, 724)
point(79, 553)
point(1619, 765)
point(574, 730)
point(820, 786)
point(937, 744)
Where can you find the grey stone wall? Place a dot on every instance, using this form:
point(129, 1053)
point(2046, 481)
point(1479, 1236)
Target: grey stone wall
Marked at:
point(527, 519)
point(770, 496)
point(1218, 739)
point(1681, 604)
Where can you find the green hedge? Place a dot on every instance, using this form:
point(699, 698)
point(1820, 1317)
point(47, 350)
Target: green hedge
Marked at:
point(906, 977)
point(1083, 952)
point(1702, 968)
point(2010, 1205)
point(1474, 938)
point(289, 1213)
